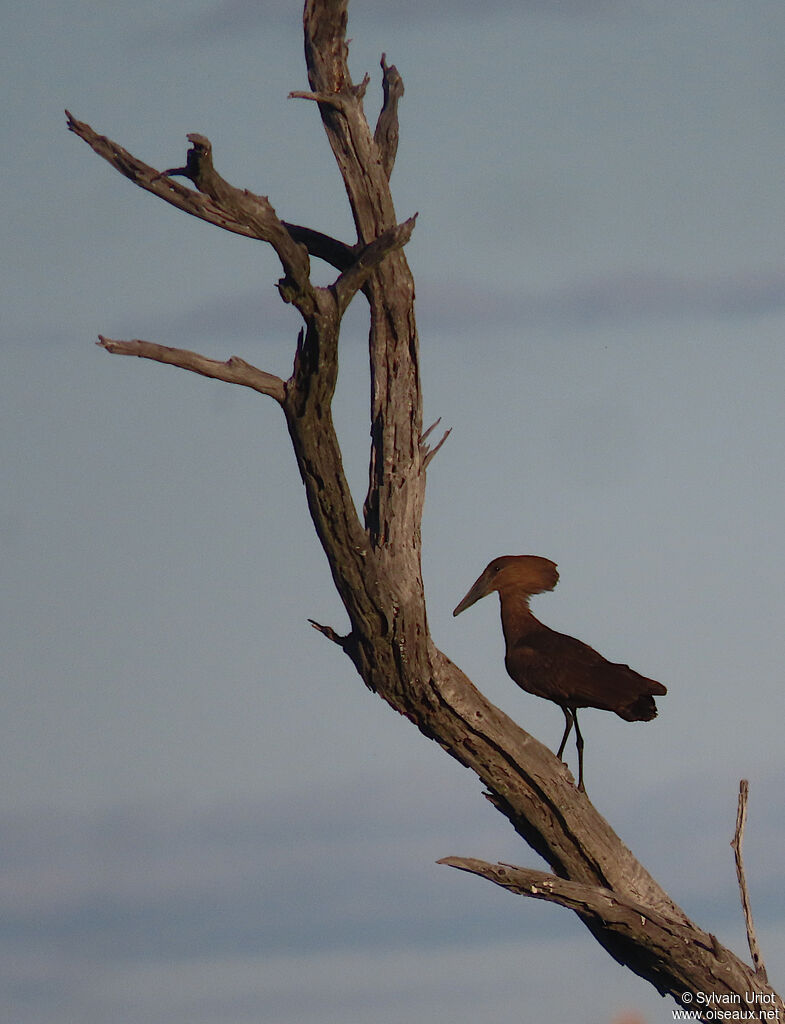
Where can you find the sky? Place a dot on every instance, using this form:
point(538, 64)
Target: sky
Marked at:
point(205, 817)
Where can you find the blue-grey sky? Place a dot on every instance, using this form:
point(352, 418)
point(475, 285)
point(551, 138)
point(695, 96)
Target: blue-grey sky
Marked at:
point(205, 817)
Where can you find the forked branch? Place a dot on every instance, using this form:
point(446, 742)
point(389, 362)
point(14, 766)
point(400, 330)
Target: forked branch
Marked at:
point(428, 452)
point(197, 204)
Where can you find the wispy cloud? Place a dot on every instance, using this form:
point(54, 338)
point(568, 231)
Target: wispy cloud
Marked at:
point(626, 298)
point(234, 18)
point(136, 897)
point(294, 873)
point(301, 871)
point(462, 306)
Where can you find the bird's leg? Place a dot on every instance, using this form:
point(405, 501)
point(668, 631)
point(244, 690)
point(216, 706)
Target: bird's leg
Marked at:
point(570, 717)
point(579, 745)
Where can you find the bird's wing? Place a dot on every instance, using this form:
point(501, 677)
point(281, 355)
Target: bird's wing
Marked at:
point(566, 670)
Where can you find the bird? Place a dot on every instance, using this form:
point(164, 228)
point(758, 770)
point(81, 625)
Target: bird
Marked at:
point(552, 665)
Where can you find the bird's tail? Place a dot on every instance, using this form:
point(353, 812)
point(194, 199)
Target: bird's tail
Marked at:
point(642, 709)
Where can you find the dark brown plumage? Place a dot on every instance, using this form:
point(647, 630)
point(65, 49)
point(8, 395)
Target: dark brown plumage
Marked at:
point(552, 665)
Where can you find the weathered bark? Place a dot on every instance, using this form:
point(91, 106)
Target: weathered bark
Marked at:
point(375, 563)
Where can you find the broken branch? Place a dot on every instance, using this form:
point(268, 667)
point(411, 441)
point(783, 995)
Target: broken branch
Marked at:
point(257, 213)
point(542, 885)
point(352, 279)
point(736, 843)
point(324, 247)
point(332, 99)
point(330, 633)
point(233, 371)
point(386, 132)
point(657, 936)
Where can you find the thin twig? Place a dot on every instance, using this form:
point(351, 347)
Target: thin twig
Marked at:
point(332, 99)
point(738, 837)
point(330, 633)
point(429, 454)
point(339, 100)
point(426, 433)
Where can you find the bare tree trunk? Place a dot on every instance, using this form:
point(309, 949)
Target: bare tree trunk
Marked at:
point(375, 563)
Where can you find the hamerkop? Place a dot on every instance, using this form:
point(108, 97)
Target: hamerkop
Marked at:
point(552, 665)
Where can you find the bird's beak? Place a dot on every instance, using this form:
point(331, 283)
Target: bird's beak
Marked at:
point(479, 589)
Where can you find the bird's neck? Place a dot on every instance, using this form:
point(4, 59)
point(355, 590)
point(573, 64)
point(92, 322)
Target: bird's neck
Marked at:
point(517, 619)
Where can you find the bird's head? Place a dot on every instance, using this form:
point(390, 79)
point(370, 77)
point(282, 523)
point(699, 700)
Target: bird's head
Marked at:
point(519, 574)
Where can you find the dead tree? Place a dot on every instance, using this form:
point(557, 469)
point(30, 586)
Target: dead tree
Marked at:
point(375, 562)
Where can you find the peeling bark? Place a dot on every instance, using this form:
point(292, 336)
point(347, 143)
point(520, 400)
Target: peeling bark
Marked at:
point(375, 563)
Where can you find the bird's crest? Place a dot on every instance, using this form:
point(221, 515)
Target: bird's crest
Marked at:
point(525, 574)
point(529, 573)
